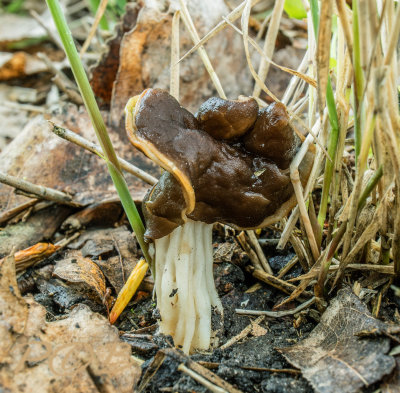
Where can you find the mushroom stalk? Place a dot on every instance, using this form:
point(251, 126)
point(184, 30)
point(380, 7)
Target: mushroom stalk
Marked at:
point(185, 284)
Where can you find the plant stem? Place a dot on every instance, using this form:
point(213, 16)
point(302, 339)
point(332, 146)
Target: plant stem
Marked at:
point(358, 80)
point(98, 124)
point(334, 134)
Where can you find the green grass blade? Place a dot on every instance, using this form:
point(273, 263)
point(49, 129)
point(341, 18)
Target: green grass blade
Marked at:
point(98, 124)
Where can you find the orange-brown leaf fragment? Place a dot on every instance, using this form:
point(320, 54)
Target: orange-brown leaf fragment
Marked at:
point(29, 256)
point(75, 268)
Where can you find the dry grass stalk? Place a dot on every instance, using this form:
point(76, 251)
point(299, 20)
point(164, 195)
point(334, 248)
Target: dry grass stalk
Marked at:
point(174, 81)
point(187, 20)
point(99, 14)
point(269, 43)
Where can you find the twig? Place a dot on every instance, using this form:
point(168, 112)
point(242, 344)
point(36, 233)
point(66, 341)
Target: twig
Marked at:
point(269, 44)
point(367, 267)
point(259, 251)
point(215, 365)
point(202, 52)
point(39, 191)
point(45, 26)
point(288, 266)
point(210, 386)
point(9, 214)
point(232, 16)
point(61, 80)
point(93, 148)
point(272, 370)
point(24, 107)
point(242, 239)
point(277, 282)
point(99, 14)
point(277, 314)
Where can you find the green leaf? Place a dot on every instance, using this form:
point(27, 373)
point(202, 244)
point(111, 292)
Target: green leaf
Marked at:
point(295, 9)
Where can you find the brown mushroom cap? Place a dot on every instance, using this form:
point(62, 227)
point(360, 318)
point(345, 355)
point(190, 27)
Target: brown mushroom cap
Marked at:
point(272, 137)
point(230, 184)
point(227, 119)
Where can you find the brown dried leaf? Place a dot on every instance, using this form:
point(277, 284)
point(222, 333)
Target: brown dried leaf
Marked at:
point(13, 307)
point(392, 383)
point(145, 57)
point(257, 330)
point(57, 357)
point(19, 64)
point(332, 358)
point(68, 167)
point(105, 72)
point(40, 225)
point(119, 241)
point(31, 255)
point(75, 268)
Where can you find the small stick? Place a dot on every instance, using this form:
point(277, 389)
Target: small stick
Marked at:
point(99, 14)
point(93, 148)
point(232, 16)
point(202, 52)
point(259, 251)
point(295, 177)
point(242, 334)
point(214, 365)
point(249, 251)
point(273, 370)
point(42, 23)
point(61, 80)
point(210, 386)
point(277, 314)
point(24, 107)
point(269, 44)
point(288, 266)
point(277, 282)
point(368, 267)
point(39, 191)
point(9, 214)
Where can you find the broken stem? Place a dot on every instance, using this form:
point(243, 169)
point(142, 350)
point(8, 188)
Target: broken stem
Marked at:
point(93, 148)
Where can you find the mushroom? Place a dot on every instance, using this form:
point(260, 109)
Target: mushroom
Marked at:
point(218, 168)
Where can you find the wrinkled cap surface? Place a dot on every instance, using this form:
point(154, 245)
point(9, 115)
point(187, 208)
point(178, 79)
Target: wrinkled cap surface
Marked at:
point(208, 179)
point(227, 119)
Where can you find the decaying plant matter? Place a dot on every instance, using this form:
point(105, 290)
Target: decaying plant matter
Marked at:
point(229, 164)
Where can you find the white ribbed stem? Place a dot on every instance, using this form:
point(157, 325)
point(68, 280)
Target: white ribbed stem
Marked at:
point(184, 261)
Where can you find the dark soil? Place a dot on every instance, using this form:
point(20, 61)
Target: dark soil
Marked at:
point(232, 363)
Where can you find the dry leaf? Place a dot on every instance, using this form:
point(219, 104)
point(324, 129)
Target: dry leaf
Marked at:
point(144, 57)
point(392, 383)
point(120, 241)
point(105, 72)
point(332, 358)
point(257, 330)
point(75, 268)
point(38, 226)
point(68, 168)
point(33, 254)
point(63, 356)
point(19, 64)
